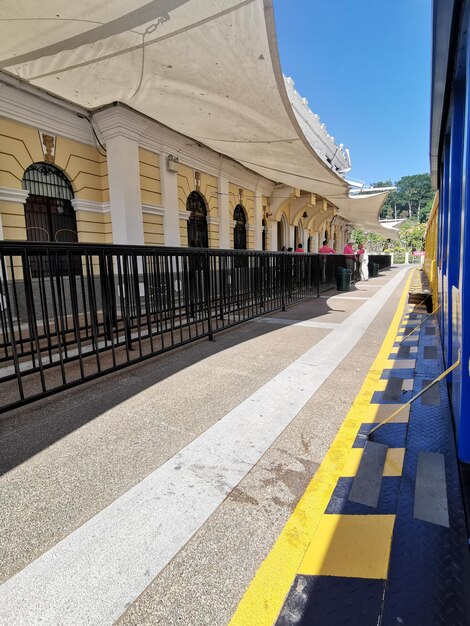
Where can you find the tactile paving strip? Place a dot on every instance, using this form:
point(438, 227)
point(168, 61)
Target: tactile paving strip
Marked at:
point(387, 504)
point(429, 574)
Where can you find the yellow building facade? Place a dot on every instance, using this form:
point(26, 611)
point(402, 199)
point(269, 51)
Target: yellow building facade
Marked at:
point(130, 180)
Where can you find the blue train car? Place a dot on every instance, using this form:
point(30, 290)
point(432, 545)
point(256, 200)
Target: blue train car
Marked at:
point(448, 235)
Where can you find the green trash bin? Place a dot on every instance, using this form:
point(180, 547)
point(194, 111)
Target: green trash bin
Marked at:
point(373, 270)
point(343, 279)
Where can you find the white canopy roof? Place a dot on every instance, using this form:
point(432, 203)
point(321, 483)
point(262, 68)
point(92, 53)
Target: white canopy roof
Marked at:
point(208, 69)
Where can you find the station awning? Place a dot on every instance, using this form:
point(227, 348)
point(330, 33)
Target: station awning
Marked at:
point(207, 69)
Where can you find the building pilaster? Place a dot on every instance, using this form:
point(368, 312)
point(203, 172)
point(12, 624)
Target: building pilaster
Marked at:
point(121, 130)
point(169, 188)
point(223, 203)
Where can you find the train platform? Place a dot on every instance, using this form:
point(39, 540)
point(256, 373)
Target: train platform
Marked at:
point(230, 482)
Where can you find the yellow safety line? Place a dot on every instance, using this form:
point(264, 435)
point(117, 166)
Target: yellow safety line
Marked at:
point(263, 600)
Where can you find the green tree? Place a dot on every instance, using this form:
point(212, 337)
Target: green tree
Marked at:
point(387, 211)
point(415, 193)
point(412, 199)
point(412, 235)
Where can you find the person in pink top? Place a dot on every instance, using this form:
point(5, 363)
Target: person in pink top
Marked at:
point(299, 248)
point(350, 255)
point(325, 249)
point(348, 249)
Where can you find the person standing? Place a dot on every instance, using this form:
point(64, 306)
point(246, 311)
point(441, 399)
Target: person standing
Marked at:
point(350, 255)
point(363, 259)
point(299, 248)
point(325, 249)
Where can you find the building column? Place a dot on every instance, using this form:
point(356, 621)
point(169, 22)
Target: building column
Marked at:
point(273, 230)
point(121, 129)
point(258, 225)
point(291, 234)
point(305, 239)
point(224, 214)
point(315, 238)
point(124, 190)
point(169, 189)
point(340, 239)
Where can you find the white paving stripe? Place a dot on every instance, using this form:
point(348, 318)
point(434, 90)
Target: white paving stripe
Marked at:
point(96, 572)
point(345, 297)
point(286, 322)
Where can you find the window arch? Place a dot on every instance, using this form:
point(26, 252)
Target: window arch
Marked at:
point(239, 230)
point(49, 213)
point(197, 223)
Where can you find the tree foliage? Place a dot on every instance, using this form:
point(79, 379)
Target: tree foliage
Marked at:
point(412, 199)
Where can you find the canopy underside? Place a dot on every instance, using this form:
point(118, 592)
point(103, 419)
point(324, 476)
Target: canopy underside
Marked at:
point(209, 70)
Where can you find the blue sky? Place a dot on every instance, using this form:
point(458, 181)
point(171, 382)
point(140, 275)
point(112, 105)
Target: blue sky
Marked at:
point(364, 66)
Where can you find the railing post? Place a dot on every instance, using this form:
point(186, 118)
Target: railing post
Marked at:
point(208, 293)
point(283, 281)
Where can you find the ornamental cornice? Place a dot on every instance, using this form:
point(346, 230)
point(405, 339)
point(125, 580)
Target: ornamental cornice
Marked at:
point(117, 121)
point(40, 111)
point(91, 206)
point(153, 209)
point(184, 215)
point(194, 154)
point(213, 220)
point(10, 194)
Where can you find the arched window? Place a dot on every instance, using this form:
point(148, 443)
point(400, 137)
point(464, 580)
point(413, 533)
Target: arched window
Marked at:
point(197, 223)
point(263, 235)
point(239, 231)
point(49, 213)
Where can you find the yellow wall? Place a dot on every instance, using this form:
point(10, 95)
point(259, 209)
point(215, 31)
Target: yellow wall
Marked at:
point(150, 189)
point(184, 233)
point(153, 229)
point(213, 232)
point(13, 222)
point(94, 227)
point(83, 165)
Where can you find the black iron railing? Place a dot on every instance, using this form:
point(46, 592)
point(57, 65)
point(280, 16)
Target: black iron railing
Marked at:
point(72, 312)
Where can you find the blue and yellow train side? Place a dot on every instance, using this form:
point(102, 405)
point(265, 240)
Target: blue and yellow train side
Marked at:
point(447, 261)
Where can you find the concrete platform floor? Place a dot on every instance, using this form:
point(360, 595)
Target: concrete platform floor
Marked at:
point(151, 496)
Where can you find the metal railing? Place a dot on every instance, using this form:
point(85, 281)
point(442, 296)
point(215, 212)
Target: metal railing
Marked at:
point(72, 312)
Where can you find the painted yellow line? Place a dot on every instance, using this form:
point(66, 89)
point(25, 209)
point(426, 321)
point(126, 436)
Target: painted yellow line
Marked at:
point(265, 596)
